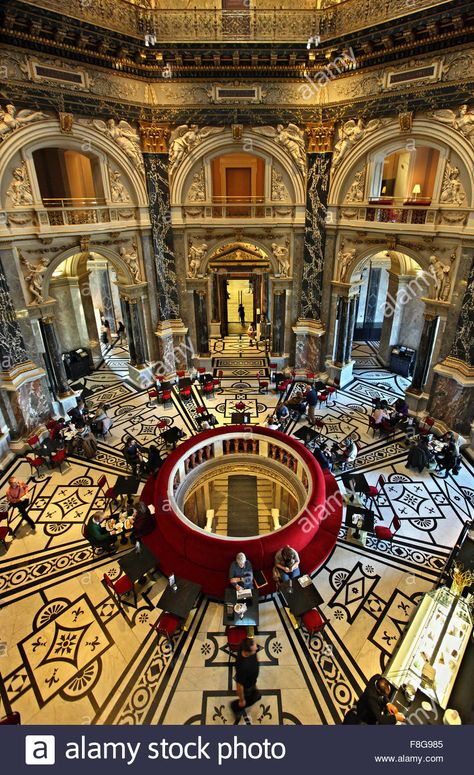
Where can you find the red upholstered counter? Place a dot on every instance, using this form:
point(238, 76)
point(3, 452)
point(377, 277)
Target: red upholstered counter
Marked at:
point(187, 550)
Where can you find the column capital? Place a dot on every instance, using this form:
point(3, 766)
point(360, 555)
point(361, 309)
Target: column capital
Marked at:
point(154, 137)
point(48, 318)
point(320, 137)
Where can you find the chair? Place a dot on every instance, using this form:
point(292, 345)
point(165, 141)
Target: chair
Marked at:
point(426, 426)
point(235, 636)
point(162, 426)
point(107, 492)
point(383, 533)
point(373, 425)
point(319, 426)
point(152, 396)
point(387, 428)
point(200, 410)
point(166, 397)
point(310, 375)
point(312, 622)
point(33, 441)
point(185, 394)
point(333, 390)
point(35, 463)
point(59, 457)
point(282, 386)
point(323, 398)
point(208, 389)
point(123, 586)
point(262, 383)
point(167, 624)
point(4, 529)
point(374, 492)
point(201, 370)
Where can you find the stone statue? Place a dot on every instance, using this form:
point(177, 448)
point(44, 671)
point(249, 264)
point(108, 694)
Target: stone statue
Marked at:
point(356, 189)
point(281, 253)
point(117, 189)
point(350, 133)
point(462, 120)
point(452, 191)
point(10, 120)
point(34, 278)
point(442, 279)
point(291, 138)
point(279, 190)
point(197, 191)
point(344, 258)
point(125, 137)
point(195, 255)
point(20, 188)
point(186, 137)
point(130, 256)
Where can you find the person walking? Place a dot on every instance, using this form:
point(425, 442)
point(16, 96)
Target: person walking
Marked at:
point(16, 495)
point(246, 676)
point(242, 314)
point(312, 398)
point(120, 332)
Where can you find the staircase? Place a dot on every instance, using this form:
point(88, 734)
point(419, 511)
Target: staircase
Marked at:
point(220, 504)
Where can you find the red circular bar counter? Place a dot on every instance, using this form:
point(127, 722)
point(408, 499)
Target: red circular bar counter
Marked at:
point(186, 550)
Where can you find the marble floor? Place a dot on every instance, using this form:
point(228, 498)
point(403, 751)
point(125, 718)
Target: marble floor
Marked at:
point(69, 655)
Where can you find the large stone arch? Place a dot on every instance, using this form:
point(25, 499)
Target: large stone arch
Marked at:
point(425, 131)
point(396, 256)
point(220, 242)
point(83, 138)
point(78, 265)
point(223, 143)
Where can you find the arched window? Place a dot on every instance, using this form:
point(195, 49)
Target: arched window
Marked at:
point(406, 176)
point(67, 177)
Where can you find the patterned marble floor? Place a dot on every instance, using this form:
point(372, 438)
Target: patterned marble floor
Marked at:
point(69, 655)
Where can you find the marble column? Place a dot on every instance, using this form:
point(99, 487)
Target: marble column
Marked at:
point(106, 297)
point(25, 401)
point(215, 331)
point(342, 329)
point(278, 333)
point(373, 286)
point(425, 351)
point(137, 331)
point(451, 399)
point(170, 330)
point(90, 319)
point(202, 330)
point(127, 321)
point(350, 329)
point(319, 157)
point(53, 349)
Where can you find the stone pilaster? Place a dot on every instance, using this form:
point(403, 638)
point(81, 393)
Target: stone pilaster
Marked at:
point(202, 329)
point(53, 350)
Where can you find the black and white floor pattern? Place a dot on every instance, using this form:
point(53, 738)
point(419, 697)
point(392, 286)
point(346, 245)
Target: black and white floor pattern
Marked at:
point(69, 655)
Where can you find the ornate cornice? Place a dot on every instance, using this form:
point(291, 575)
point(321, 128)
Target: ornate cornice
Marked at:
point(154, 136)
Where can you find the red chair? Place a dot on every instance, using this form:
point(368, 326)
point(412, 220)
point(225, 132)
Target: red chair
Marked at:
point(167, 624)
point(323, 398)
point(162, 426)
point(282, 387)
point(320, 426)
point(426, 426)
point(4, 529)
point(107, 492)
point(33, 441)
point(59, 458)
point(310, 375)
point(235, 636)
point(383, 533)
point(35, 463)
point(120, 588)
point(200, 410)
point(312, 622)
point(262, 383)
point(374, 492)
point(166, 397)
point(185, 394)
point(208, 389)
point(180, 374)
point(94, 547)
point(333, 390)
point(201, 370)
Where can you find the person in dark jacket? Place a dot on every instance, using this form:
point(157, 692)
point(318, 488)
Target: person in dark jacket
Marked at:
point(246, 675)
point(143, 523)
point(373, 706)
point(321, 455)
point(447, 460)
point(418, 456)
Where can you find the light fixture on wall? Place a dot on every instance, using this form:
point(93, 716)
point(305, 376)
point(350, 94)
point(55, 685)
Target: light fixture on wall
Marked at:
point(384, 190)
point(416, 190)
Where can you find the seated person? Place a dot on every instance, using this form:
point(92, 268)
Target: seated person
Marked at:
point(322, 456)
point(348, 454)
point(373, 706)
point(419, 456)
point(144, 522)
point(79, 414)
point(282, 412)
point(287, 562)
point(99, 419)
point(298, 406)
point(272, 423)
point(97, 534)
point(241, 572)
point(380, 413)
point(401, 407)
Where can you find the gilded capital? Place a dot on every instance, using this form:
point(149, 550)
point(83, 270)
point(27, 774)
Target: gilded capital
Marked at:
point(320, 137)
point(154, 137)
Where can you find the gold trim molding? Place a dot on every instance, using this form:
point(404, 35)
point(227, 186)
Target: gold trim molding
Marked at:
point(154, 137)
point(320, 137)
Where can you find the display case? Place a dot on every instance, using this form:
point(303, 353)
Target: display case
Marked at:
point(430, 654)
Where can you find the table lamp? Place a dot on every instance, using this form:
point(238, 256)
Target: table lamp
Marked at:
point(416, 190)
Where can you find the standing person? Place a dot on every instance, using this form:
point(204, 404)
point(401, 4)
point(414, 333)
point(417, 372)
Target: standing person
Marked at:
point(242, 314)
point(251, 334)
point(311, 398)
point(120, 332)
point(17, 496)
point(246, 676)
point(373, 706)
point(446, 460)
point(131, 453)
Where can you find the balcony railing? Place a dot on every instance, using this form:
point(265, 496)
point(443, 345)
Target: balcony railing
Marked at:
point(214, 24)
point(405, 214)
point(238, 207)
point(57, 213)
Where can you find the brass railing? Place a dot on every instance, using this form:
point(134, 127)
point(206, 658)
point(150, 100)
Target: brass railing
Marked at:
point(214, 24)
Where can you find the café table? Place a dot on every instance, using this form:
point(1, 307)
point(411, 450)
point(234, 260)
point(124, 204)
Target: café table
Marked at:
point(240, 418)
point(184, 382)
point(355, 483)
point(136, 564)
point(207, 377)
point(180, 601)
point(306, 434)
point(119, 527)
point(359, 519)
point(251, 615)
point(300, 599)
point(171, 436)
point(126, 486)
